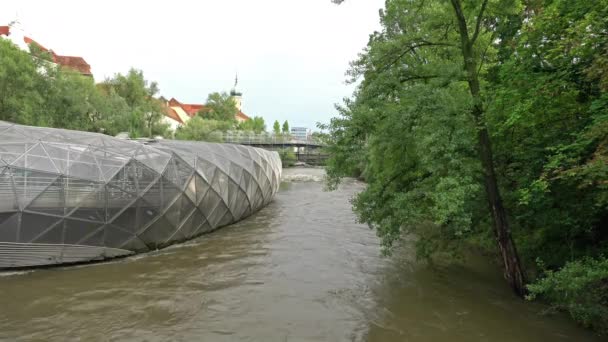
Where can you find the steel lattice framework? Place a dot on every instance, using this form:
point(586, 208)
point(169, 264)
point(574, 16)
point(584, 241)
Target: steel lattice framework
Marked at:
point(69, 196)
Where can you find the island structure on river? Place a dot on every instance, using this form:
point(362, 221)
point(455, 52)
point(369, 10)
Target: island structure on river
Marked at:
point(71, 197)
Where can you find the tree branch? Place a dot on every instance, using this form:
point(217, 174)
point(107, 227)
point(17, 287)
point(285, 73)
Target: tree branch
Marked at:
point(413, 46)
point(462, 23)
point(400, 174)
point(417, 77)
point(479, 19)
point(485, 51)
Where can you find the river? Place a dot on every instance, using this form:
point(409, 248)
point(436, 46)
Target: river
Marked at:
point(301, 269)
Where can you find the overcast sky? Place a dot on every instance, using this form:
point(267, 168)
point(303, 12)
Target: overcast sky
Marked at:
point(290, 55)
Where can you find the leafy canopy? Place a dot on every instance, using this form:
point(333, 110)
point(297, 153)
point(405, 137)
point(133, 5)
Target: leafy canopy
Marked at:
point(255, 124)
point(34, 91)
point(409, 132)
point(220, 107)
point(201, 129)
point(285, 127)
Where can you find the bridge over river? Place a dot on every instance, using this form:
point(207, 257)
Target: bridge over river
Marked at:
point(309, 151)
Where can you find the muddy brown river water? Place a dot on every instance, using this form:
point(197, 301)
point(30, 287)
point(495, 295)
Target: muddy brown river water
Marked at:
point(301, 269)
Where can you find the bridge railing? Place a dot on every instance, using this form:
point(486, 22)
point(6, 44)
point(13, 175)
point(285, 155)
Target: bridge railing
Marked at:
point(251, 138)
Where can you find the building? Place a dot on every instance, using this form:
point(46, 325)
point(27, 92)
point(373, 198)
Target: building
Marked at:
point(237, 97)
point(300, 133)
point(178, 113)
point(15, 33)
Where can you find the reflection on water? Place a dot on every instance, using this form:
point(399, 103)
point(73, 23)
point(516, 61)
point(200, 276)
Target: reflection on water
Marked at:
point(299, 270)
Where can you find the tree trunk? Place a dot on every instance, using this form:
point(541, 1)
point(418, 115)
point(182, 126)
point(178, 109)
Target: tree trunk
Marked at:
point(514, 272)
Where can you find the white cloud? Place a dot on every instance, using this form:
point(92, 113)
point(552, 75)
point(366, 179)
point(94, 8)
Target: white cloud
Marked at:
point(291, 55)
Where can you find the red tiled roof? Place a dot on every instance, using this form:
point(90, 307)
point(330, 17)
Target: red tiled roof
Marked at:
point(173, 102)
point(29, 41)
point(242, 115)
point(5, 30)
point(192, 109)
point(74, 63)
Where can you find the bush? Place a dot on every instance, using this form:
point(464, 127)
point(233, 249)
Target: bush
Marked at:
point(581, 289)
point(288, 157)
point(199, 129)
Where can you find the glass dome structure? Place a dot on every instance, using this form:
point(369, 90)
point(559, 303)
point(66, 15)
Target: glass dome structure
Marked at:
point(69, 196)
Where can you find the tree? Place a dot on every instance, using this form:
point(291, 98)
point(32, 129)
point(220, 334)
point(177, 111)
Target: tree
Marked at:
point(111, 112)
point(19, 78)
point(420, 115)
point(285, 127)
point(472, 62)
point(219, 106)
point(201, 129)
point(321, 137)
point(549, 119)
point(255, 124)
point(69, 100)
point(146, 112)
point(276, 127)
point(36, 91)
point(288, 157)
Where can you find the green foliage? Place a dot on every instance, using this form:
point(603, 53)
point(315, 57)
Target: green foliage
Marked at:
point(34, 91)
point(411, 131)
point(133, 87)
point(220, 107)
point(68, 99)
point(145, 112)
point(550, 121)
point(276, 127)
point(285, 127)
point(200, 129)
point(580, 288)
point(418, 167)
point(321, 137)
point(288, 157)
point(255, 124)
point(19, 80)
point(112, 114)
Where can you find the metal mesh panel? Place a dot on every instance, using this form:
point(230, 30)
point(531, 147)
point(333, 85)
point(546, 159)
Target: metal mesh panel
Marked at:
point(66, 188)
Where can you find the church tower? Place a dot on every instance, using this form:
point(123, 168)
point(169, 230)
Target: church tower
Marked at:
point(17, 34)
point(237, 96)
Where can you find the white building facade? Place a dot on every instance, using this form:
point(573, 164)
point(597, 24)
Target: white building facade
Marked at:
point(300, 133)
